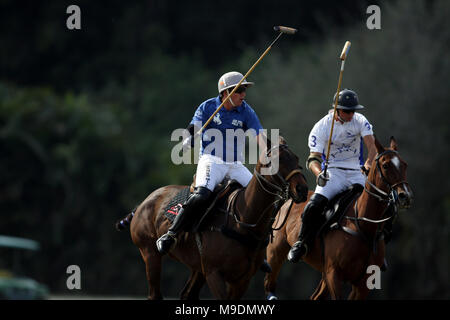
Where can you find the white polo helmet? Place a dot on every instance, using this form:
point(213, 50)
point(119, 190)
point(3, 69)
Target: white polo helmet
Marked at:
point(230, 80)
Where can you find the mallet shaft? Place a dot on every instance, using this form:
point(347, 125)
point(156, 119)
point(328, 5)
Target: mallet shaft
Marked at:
point(282, 30)
point(343, 56)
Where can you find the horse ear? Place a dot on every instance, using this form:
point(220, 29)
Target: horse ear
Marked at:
point(379, 146)
point(393, 144)
point(281, 140)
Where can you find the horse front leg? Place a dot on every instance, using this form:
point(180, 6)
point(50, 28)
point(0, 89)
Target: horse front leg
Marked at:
point(191, 290)
point(334, 284)
point(152, 261)
point(276, 256)
point(359, 292)
point(321, 292)
point(217, 285)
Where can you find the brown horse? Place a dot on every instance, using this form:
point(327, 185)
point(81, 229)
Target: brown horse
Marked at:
point(344, 253)
point(227, 254)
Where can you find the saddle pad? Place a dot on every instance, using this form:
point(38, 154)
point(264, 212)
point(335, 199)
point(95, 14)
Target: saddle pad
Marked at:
point(171, 211)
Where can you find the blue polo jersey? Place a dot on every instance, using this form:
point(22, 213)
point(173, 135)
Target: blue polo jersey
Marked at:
point(234, 124)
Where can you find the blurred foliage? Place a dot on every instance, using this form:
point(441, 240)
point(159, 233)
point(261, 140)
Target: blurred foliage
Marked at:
point(86, 118)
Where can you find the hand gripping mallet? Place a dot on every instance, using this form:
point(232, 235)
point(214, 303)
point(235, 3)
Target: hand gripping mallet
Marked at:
point(343, 56)
point(282, 30)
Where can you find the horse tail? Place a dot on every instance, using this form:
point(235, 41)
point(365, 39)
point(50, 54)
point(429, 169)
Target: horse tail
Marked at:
point(125, 222)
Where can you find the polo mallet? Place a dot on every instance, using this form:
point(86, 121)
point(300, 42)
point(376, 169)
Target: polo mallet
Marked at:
point(343, 56)
point(282, 30)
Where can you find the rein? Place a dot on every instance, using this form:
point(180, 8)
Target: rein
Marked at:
point(280, 192)
point(357, 219)
point(391, 198)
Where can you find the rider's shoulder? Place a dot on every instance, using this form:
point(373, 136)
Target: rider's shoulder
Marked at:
point(247, 108)
point(211, 103)
point(326, 119)
point(359, 117)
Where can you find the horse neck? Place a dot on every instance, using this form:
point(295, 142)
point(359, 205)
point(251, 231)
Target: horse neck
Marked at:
point(254, 203)
point(370, 207)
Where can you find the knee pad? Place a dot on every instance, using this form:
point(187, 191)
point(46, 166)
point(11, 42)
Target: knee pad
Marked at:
point(199, 197)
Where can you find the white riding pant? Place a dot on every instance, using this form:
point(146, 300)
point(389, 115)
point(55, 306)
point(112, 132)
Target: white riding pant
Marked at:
point(340, 180)
point(211, 170)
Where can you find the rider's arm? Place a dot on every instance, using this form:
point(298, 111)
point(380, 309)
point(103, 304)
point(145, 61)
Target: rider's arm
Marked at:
point(369, 141)
point(261, 139)
point(191, 128)
point(314, 163)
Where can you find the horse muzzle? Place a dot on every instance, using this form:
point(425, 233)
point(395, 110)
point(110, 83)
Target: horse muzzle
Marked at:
point(404, 196)
point(405, 200)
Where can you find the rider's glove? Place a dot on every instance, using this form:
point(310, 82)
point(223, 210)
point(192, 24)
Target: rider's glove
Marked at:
point(188, 143)
point(322, 179)
point(364, 170)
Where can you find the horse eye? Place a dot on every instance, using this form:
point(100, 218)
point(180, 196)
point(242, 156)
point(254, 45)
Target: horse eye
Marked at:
point(385, 166)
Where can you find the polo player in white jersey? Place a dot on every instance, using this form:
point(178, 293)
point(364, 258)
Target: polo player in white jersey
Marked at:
point(345, 162)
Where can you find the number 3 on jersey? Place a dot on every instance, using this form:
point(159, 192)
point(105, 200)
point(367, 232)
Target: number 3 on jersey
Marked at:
point(313, 142)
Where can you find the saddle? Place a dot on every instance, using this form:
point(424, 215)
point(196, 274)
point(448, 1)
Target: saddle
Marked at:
point(217, 201)
point(336, 208)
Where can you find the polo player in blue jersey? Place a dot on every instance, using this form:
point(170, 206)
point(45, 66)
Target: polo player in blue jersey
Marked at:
point(218, 159)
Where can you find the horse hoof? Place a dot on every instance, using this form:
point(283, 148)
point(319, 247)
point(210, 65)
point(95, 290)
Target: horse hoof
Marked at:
point(271, 296)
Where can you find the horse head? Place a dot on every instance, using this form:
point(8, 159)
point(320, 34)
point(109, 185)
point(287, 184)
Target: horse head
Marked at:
point(388, 174)
point(286, 176)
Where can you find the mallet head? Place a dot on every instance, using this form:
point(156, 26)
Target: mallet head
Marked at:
point(286, 30)
point(345, 50)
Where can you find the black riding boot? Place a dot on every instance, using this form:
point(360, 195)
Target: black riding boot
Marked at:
point(166, 241)
point(310, 216)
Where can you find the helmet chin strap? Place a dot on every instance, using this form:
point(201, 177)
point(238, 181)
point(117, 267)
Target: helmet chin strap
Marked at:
point(231, 100)
point(338, 116)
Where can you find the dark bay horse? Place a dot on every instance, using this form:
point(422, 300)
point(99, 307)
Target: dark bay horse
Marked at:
point(343, 254)
point(224, 263)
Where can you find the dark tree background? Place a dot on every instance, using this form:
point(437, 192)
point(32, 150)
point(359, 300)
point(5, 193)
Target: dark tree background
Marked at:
point(86, 117)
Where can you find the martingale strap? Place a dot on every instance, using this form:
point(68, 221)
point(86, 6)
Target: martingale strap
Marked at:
point(384, 196)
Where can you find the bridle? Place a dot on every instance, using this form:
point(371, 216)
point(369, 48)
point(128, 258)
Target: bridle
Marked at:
point(281, 192)
point(391, 195)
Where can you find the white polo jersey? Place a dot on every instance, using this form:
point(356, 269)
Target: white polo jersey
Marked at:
point(346, 149)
